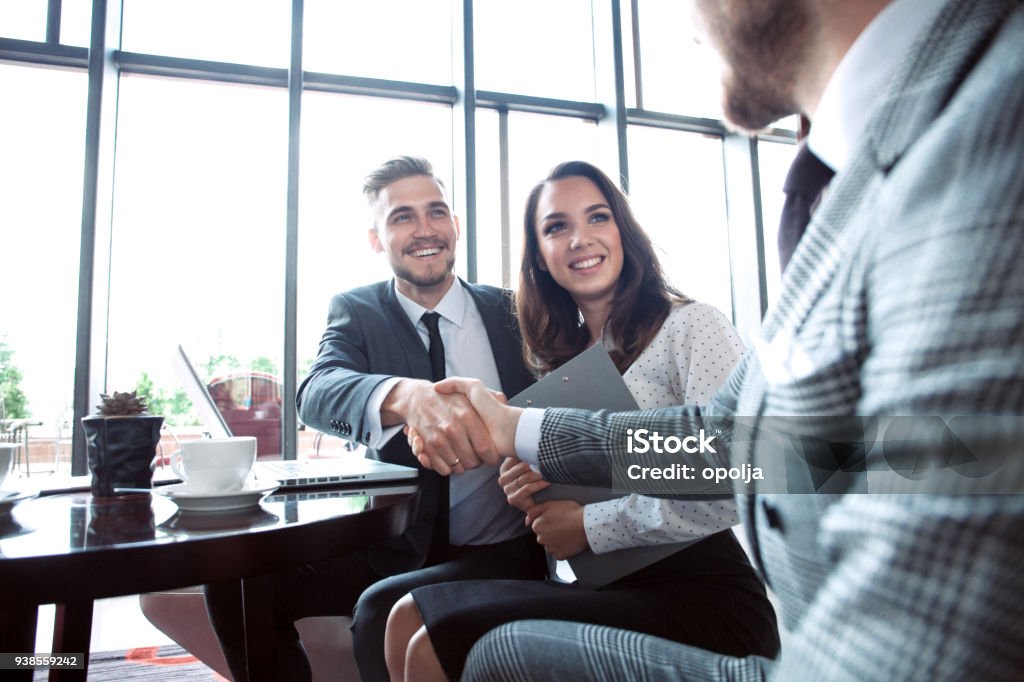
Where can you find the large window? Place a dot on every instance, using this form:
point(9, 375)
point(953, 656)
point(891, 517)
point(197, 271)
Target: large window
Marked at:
point(678, 196)
point(40, 221)
point(536, 47)
point(221, 182)
point(535, 145)
point(198, 229)
point(240, 31)
point(407, 40)
point(23, 19)
point(676, 73)
point(334, 217)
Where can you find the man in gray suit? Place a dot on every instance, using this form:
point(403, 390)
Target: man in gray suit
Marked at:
point(904, 297)
point(374, 373)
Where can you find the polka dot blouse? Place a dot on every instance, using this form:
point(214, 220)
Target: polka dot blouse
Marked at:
point(686, 362)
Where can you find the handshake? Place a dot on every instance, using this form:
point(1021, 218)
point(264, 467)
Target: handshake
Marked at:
point(456, 424)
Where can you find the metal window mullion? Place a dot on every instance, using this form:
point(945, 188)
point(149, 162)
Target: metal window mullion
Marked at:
point(377, 87)
point(290, 425)
point(464, 128)
point(591, 111)
point(43, 54)
point(688, 124)
point(746, 241)
point(53, 22)
point(506, 204)
point(634, 6)
point(610, 88)
point(97, 198)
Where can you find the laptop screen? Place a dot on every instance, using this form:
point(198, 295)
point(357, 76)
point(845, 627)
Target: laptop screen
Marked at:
point(195, 388)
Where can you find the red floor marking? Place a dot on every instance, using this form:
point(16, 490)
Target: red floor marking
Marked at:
point(148, 656)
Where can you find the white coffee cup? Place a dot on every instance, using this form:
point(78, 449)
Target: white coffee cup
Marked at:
point(215, 465)
point(7, 451)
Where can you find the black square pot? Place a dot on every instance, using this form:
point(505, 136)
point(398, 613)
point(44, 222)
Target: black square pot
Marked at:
point(121, 451)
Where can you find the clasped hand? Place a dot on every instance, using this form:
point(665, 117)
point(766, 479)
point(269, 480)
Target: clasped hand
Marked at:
point(558, 524)
point(476, 427)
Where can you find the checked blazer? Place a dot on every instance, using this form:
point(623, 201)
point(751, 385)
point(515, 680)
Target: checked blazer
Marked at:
point(369, 339)
point(905, 297)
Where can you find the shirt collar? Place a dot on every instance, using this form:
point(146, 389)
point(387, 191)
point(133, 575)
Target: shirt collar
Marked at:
point(451, 307)
point(860, 80)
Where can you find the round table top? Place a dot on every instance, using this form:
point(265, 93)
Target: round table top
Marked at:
point(60, 547)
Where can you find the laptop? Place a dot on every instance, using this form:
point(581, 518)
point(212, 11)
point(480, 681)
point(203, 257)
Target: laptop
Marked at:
point(291, 473)
point(324, 494)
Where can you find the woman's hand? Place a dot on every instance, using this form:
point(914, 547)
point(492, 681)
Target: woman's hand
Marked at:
point(520, 483)
point(558, 525)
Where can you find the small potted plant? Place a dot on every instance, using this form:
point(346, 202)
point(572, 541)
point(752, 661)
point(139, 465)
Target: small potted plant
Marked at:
point(121, 441)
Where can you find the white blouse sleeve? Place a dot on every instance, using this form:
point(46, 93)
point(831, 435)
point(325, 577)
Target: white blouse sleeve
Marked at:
point(636, 520)
point(685, 364)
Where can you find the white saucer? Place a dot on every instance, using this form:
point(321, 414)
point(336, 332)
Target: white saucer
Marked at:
point(9, 498)
point(191, 500)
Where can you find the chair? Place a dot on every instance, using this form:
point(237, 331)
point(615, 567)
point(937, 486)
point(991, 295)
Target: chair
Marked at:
point(16, 431)
point(250, 403)
point(182, 616)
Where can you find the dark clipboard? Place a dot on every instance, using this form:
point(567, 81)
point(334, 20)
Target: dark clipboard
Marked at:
point(590, 381)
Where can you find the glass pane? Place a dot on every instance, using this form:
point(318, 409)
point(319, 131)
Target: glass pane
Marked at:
point(773, 162)
point(536, 143)
point(677, 75)
point(343, 139)
point(678, 194)
point(75, 22)
point(198, 239)
point(40, 224)
point(535, 47)
point(23, 19)
point(489, 247)
point(241, 31)
point(408, 40)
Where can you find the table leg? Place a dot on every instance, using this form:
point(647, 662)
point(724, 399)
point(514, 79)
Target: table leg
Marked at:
point(72, 630)
point(18, 635)
point(257, 600)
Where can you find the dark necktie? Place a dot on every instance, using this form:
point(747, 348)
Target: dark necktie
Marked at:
point(430, 320)
point(439, 540)
point(805, 181)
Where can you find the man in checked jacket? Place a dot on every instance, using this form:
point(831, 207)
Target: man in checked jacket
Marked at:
point(905, 296)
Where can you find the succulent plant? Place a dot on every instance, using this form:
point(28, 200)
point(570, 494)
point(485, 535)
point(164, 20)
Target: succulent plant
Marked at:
point(121, 405)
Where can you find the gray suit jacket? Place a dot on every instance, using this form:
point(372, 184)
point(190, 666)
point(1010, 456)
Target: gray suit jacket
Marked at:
point(369, 339)
point(906, 297)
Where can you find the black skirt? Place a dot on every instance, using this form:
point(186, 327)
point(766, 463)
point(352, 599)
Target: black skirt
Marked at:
point(706, 595)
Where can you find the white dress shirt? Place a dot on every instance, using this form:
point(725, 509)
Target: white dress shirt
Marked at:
point(860, 79)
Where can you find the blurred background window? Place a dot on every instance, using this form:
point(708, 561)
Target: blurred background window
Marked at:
point(194, 183)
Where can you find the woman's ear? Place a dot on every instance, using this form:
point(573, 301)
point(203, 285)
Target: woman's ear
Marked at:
point(541, 264)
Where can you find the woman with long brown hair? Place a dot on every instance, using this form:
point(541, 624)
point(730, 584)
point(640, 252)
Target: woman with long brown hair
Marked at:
point(590, 275)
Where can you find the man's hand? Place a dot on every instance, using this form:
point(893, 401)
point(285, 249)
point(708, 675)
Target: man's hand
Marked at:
point(445, 424)
point(558, 525)
point(520, 482)
point(500, 421)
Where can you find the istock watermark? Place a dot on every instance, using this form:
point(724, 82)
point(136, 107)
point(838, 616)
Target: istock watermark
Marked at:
point(643, 441)
point(685, 455)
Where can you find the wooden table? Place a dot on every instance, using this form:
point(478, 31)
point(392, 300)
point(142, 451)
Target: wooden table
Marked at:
point(71, 548)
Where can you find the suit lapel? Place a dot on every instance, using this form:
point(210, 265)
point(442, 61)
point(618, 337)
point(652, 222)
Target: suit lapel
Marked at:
point(503, 344)
point(405, 334)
